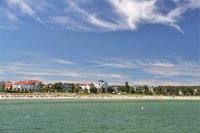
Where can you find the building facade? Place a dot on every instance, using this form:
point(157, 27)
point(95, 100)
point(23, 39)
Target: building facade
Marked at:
point(2, 84)
point(86, 85)
point(26, 85)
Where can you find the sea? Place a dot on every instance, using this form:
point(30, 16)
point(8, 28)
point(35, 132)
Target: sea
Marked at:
point(99, 116)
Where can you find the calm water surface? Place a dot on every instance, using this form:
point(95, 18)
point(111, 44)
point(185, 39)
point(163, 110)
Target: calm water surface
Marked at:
point(99, 116)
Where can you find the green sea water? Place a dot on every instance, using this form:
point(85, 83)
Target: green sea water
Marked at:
point(99, 116)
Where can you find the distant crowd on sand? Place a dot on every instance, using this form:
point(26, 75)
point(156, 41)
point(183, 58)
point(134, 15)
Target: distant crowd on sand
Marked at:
point(74, 96)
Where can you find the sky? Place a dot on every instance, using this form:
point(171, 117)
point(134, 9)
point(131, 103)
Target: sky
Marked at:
point(152, 42)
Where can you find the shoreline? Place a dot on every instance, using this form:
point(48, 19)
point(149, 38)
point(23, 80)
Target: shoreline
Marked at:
point(107, 97)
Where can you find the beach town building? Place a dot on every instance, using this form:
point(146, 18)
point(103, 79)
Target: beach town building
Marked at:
point(100, 85)
point(180, 92)
point(26, 85)
point(49, 86)
point(8, 85)
point(66, 87)
point(115, 88)
point(2, 83)
point(151, 89)
point(86, 85)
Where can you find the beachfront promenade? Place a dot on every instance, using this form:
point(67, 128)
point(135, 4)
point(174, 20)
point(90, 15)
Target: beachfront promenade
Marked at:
point(73, 96)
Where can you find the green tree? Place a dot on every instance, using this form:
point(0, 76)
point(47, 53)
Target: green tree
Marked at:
point(110, 89)
point(139, 90)
point(40, 87)
point(190, 90)
point(11, 88)
point(86, 90)
point(57, 86)
point(159, 90)
point(145, 89)
point(3, 87)
point(127, 87)
point(198, 91)
point(121, 89)
point(184, 90)
point(103, 90)
point(132, 90)
point(74, 88)
point(93, 90)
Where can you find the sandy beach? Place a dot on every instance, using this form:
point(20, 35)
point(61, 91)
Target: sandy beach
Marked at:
point(72, 96)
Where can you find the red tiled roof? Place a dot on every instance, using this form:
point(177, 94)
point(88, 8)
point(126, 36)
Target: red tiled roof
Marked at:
point(27, 82)
point(34, 81)
point(8, 85)
point(87, 84)
point(21, 83)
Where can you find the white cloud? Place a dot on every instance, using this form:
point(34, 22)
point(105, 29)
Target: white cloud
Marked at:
point(162, 72)
point(128, 14)
point(92, 17)
point(8, 19)
point(61, 20)
point(115, 15)
point(67, 23)
point(120, 70)
point(115, 64)
point(8, 27)
point(50, 72)
point(173, 70)
point(25, 8)
point(135, 12)
point(158, 68)
point(104, 75)
point(131, 12)
point(11, 16)
point(194, 3)
point(158, 63)
point(17, 70)
point(61, 61)
point(157, 82)
point(120, 76)
point(23, 5)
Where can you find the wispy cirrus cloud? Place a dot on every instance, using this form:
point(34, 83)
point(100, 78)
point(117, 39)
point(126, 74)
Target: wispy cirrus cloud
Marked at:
point(61, 61)
point(25, 8)
point(48, 71)
point(160, 72)
point(107, 15)
point(113, 64)
point(128, 14)
point(164, 68)
point(157, 82)
point(8, 19)
point(158, 68)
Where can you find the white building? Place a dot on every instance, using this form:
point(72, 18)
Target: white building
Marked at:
point(101, 84)
point(86, 85)
point(28, 85)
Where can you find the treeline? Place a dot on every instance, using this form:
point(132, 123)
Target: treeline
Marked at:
point(177, 90)
point(59, 87)
point(156, 90)
point(123, 89)
point(70, 87)
point(127, 89)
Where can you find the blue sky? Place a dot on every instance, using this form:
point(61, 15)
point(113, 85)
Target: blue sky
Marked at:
point(153, 42)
